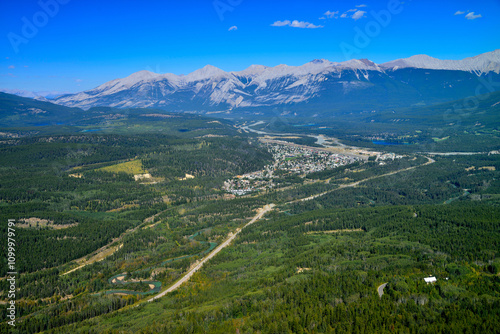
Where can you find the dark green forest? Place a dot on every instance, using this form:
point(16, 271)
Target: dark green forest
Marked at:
point(310, 265)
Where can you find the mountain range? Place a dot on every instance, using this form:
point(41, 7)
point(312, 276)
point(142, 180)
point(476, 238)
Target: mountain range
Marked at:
point(317, 86)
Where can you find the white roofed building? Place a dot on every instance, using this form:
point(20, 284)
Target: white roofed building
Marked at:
point(430, 279)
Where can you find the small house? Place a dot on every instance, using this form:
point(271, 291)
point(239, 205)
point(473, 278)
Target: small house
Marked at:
point(430, 279)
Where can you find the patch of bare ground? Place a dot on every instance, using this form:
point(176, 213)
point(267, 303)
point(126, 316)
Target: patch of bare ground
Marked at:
point(125, 207)
point(489, 168)
point(186, 177)
point(34, 222)
point(139, 177)
point(151, 226)
point(157, 271)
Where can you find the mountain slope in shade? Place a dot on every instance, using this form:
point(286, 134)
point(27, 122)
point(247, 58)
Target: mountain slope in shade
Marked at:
point(22, 111)
point(354, 84)
point(483, 63)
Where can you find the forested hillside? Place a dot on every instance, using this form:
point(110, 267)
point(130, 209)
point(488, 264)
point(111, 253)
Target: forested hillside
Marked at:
point(107, 219)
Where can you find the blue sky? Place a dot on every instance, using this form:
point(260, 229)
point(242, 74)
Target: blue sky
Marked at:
point(77, 45)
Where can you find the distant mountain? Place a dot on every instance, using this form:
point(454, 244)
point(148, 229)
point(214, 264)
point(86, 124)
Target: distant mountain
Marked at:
point(42, 96)
point(484, 63)
point(317, 86)
point(22, 111)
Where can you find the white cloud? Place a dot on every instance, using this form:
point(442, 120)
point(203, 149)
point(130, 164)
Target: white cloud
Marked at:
point(281, 23)
point(331, 14)
point(295, 24)
point(233, 28)
point(78, 80)
point(472, 16)
point(302, 24)
point(360, 6)
point(357, 15)
point(458, 12)
point(12, 66)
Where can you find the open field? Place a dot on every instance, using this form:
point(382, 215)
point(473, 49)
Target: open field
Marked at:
point(130, 167)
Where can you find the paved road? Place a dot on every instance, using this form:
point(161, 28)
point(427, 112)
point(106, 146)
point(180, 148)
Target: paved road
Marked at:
point(260, 214)
point(226, 243)
point(354, 184)
point(454, 153)
point(380, 289)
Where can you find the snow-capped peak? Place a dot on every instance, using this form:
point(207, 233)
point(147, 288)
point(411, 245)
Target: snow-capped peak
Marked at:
point(359, 64)
point(204, 73)
point(260, 85)
point(141, 76)
point(251, 71)
point(116, 85)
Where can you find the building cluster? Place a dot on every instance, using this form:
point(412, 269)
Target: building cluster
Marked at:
point(288, 160)
point(388, 156)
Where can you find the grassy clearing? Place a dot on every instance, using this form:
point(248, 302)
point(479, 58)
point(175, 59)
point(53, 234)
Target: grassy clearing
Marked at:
point(440, 139)
point(130, 167)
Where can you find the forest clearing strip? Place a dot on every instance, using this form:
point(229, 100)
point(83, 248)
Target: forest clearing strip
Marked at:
point(262, 211)
point(347, 230)
point(101, 254)
point(107, 250)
